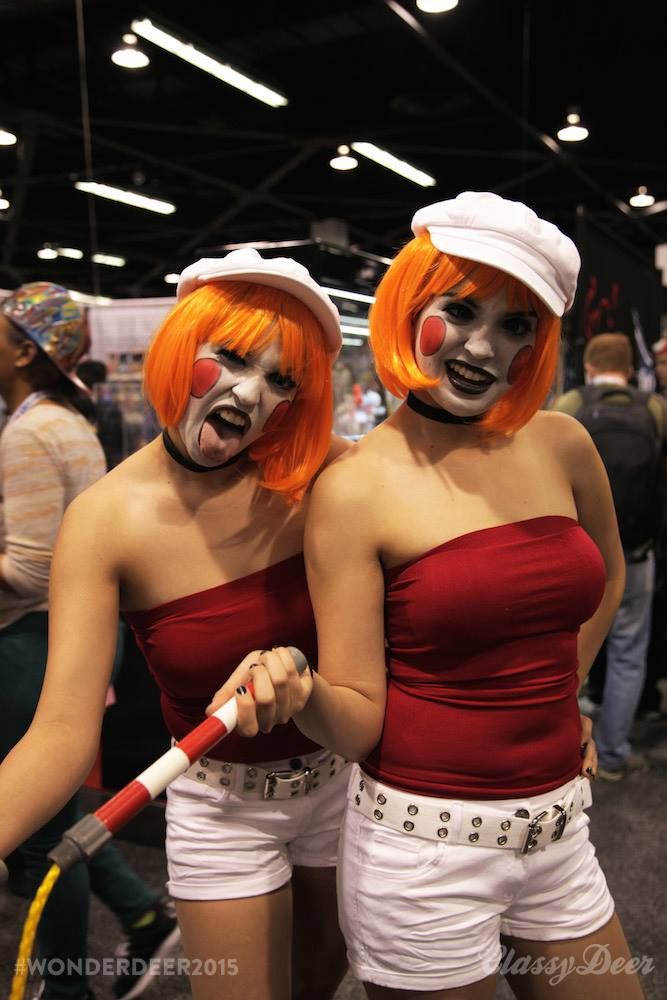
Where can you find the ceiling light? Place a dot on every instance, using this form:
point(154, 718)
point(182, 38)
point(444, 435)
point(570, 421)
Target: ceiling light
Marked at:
point(436, 6)
point(222, 71)
point(641, 198)
point(4, 204)
point(343, 161)
point(130, 57)
point(126, 197)
point(339, 293)
point(69, 252)
point(172, 279)
point(266, 244)
point(386, 159)
point(574, 131)
point(90, 300)
point(352, 342)
point(47, 252)
point(109, 259)
point(7, 138)
point(358, 331)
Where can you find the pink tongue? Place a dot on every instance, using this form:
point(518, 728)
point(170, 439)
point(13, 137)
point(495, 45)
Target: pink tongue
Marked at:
point(218, 446)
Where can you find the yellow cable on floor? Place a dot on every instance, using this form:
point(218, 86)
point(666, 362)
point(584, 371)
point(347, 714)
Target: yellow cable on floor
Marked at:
point(29, 930)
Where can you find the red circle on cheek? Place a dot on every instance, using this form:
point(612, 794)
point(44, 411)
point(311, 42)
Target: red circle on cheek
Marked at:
point(432, 335)
point(205, 373)
point(277, 416)
point(519, 364)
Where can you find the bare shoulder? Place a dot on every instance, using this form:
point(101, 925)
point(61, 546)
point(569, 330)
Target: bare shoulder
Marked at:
point(560, 432)
point(349, 484)
point(108, 505)
point(338, 447)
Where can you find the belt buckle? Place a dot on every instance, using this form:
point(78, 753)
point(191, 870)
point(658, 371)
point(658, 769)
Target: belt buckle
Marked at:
point(287, 784)
point(533, 832)
point(561, 821)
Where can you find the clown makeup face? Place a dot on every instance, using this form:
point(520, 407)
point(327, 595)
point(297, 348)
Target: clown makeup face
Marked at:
point(476, 348)
point(234, 399)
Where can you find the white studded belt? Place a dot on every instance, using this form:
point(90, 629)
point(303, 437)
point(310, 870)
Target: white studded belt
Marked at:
point(283, 779)
point(461, 822)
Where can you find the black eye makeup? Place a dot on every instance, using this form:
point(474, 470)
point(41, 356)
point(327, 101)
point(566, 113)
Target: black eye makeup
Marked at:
point(231, 357)
point(520, 324)
point(279, 380)
point(284, 382)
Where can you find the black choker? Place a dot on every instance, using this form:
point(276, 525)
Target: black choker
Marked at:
point(437, 413)
point(187, 463)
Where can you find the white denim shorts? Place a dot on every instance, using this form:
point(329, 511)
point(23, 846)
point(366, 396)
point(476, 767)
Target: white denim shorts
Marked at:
point(422, 914)
point(223, 846)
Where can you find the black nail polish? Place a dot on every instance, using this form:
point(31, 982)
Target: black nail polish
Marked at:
point(241, 689)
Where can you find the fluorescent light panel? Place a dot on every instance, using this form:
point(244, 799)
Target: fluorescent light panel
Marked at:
point(126, 197)
point(222, 71)
point(358, 331)
point(108, 258)
point(391, 162)
point(340, 293)
point(90, 300)
point(266, 244)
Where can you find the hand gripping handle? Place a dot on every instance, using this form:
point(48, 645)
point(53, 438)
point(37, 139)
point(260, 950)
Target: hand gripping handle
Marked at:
point(91, 832)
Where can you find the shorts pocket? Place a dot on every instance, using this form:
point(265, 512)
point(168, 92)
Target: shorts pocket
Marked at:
point(396, 855)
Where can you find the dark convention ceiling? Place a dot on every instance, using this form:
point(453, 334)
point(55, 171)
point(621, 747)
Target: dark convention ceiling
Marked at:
point(473, 97)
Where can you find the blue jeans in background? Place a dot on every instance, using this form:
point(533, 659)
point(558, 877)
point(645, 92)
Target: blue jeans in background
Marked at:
point(627, 646)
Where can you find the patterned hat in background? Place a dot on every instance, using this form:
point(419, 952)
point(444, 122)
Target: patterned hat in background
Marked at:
point(46, 313)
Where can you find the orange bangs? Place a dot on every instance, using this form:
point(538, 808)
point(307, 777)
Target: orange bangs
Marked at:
point(247, 317)
point(419, 273)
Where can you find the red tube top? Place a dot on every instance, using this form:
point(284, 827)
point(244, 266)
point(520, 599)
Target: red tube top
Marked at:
point(192, 645)
point(482, 660)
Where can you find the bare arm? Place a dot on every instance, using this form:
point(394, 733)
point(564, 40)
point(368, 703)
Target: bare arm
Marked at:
point(595, 511)
point(344, 701)
point(83, 617)
point(346, 709)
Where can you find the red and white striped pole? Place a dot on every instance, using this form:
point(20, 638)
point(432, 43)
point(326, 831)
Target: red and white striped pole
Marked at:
point(85, 838)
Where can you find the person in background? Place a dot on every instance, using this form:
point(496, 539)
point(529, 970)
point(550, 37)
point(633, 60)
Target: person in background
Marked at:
point(630, 431)
point(49, 454)
point(660, 360)
point(198, 539)
point(105, 413)
point(464, 566)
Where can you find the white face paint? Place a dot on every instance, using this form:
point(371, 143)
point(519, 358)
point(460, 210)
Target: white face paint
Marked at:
point(234, 399)
point(476, 348)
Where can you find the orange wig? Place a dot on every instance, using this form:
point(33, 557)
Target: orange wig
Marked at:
point(419, 273)
point(247, 317)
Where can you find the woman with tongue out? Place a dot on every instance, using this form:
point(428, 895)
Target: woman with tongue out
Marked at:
point(464, 565)
point(198, 538)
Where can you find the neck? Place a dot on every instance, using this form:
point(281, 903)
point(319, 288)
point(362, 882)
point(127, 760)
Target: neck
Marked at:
point(437, 413)
point(187, 463)
point(16, 394)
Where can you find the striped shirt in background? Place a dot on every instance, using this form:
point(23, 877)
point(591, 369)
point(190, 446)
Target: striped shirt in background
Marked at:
point(48, 456)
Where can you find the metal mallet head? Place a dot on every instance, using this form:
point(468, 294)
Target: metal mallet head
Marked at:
point(300, 660)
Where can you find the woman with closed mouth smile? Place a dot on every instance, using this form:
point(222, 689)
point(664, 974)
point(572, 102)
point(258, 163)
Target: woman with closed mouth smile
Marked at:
point(464, 565)
point(198, 539)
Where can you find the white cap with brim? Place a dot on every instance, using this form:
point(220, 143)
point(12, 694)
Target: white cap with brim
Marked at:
point(507, 235)
point(278, 272)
